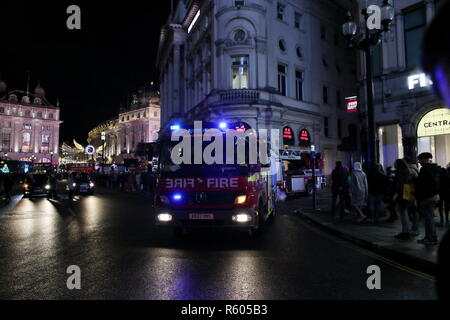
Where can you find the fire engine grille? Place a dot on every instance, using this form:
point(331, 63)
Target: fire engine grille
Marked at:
point(212, 197)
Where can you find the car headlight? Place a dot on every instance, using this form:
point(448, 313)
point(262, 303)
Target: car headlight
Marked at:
point(242, 218)
point(240, 199)
point(47, 187)
point(164, 217)
point(91, 184)
point(26, 186)
point(74, 184)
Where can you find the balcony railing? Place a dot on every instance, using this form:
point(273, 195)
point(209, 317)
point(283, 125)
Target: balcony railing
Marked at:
point(239, 95)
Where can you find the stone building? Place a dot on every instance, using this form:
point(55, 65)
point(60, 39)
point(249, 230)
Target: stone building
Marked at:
point(264, 64)
point(29, 126)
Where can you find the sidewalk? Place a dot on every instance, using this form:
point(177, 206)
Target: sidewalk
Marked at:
point(377, 237)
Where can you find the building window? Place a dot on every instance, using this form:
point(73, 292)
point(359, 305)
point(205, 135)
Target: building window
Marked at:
point(299, 85)
point(45, 143)
point(239, 35)
point(282, 87)
point(27, 126)
point(240, 72)
point(377, 60)
point(50, 115)
point(297, 20)
point(299, 52)
point(28, 113)
point(156, 114)
point(326, 128)
point(39, 115)
point(46, 128)
point(6, 124)
point(139, 115)
point(2, 110)
point(439, 4)
point(123, 119)
point(325, 94)
point(280, 11)
point(338, 99)
point(339, 128)
point(282, 45)
point(415, 25)
point(26, 142)
point(6, 141)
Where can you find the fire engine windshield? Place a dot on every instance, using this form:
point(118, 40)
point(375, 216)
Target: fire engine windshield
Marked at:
point(168, 168)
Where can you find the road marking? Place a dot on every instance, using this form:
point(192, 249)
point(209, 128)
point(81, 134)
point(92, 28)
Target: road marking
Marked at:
point(372, 255)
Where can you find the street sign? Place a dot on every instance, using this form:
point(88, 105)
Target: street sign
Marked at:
point(352, 104)
point(90, 150)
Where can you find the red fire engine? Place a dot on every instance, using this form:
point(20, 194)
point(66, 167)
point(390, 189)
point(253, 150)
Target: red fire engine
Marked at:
point(212, 195)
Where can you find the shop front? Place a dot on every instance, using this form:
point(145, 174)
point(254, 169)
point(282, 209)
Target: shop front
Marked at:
point(433, 135)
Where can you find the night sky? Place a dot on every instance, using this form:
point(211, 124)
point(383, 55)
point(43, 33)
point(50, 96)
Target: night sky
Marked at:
point(91, 71)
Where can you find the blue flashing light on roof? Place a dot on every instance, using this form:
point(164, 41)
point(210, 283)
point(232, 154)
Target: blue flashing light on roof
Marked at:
point(177, 197)
point(175, 127)
point(223, 125)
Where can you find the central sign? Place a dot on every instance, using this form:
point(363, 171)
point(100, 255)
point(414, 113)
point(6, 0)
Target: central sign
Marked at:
point(434, 123)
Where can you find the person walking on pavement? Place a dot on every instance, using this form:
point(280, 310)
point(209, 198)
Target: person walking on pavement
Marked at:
point(358, 191)
point(339, 188)
point(444, 195)
point(8, 184)
point(390, 192)
point(378, 183)
point(404, 188)
point(427, 191)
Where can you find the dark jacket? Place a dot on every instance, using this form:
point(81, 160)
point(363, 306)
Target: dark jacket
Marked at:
point(444, 191)
point(428, 182)
point(339, 180)
point(378, 183)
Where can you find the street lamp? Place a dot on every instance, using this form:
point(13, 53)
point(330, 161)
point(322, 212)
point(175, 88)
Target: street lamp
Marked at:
point(103, 151)
point(364, 42)
point(51, 160)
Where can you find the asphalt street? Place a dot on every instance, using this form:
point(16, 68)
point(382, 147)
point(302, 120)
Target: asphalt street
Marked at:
point(122, 255)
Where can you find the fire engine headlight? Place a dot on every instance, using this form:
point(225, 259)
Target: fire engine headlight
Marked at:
point(74, 184)
point(242, 218)
point(164, 217)
point(91, 184)
point(26, 186)
point(47, 187)
point(240, 199)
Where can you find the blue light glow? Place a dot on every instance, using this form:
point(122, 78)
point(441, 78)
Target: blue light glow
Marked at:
point(223, 125)
point(175, 127)
point(177, 197)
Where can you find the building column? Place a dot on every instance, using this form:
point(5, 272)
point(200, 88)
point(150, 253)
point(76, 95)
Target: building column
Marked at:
point(409, 142)
point(429, 4)
point(400, 41)
point(176, 78)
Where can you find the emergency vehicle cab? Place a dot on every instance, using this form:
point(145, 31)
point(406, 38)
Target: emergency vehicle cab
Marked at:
point(189, 195)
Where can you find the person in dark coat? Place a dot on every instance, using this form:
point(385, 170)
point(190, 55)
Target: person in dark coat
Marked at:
point(444, 195)
point(340, 188)
point(8, 184)
point(378, 184)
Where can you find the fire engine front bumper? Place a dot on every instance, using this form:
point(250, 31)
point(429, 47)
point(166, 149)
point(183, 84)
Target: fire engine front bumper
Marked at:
point(231, 218)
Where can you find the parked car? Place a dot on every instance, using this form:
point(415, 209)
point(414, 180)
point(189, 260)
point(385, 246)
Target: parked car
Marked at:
point(36, 185)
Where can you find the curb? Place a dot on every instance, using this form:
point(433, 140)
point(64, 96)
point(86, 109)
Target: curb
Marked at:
point(405, 259)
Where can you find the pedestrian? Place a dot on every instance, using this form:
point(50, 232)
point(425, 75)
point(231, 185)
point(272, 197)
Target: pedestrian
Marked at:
point(339, 188)
point(358, 191)
point(378, 184)
point(404, 185)
point(8, 184)
point(389, 197)
point(427, 192)
point(444, 195)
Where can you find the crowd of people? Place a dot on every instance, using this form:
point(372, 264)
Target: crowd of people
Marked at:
point(403, 192)
point(126, 181)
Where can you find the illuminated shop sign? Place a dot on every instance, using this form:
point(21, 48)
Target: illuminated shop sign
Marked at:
point(288, 136)
point(352, 104)
point(419, 80)
point(434, 123)
point(304, 138)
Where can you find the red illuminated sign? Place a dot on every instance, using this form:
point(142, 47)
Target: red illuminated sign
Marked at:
point(304, 138)
point(288, 136)
point(352, 104)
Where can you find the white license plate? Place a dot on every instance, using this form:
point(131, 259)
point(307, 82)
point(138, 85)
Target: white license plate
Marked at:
point(201, 216)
